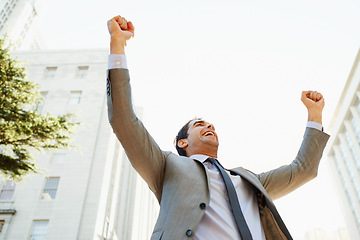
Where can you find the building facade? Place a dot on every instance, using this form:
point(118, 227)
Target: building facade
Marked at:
point(344, 151)
point(19, 19)
point(90, 192)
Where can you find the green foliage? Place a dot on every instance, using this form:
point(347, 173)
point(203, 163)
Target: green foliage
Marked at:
point(22, 127)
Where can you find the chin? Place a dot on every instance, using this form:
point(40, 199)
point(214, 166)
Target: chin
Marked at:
point(214, 143)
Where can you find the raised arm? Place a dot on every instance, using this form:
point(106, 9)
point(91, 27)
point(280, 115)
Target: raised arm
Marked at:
point(285, 179)
point(142, 151)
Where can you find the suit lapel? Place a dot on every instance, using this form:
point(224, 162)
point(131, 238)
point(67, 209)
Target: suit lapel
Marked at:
point(206, 172)
point(253, 180)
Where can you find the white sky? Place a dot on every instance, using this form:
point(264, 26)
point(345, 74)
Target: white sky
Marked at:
point(239, 64)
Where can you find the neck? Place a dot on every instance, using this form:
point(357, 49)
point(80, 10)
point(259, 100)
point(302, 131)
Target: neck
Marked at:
point(209, 154)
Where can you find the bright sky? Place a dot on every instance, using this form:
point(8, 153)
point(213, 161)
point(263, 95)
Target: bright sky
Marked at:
point(239, 64)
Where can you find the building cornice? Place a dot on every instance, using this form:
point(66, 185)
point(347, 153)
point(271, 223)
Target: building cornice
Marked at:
point(345, 91)
point(7, 211)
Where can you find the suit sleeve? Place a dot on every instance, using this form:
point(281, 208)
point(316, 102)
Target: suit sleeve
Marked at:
point(285, 179)
point(141, 149)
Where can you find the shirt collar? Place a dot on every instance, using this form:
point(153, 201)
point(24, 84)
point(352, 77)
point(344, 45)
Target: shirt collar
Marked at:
point(199, 157)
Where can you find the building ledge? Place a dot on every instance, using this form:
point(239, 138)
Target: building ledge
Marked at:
point(7, 211)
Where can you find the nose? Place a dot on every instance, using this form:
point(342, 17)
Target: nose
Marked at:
point(210, 126)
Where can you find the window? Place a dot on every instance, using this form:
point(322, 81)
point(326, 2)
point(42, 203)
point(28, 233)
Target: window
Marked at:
point(2, 223)
point(7, 190)
point(106, 228)
point(75, 97)
point(82, 72)
point(353, 151)
point(7, 9)
point(40, 106)
point(358, 105)
point(50, 188)
point(26, 27)
point(39, 229)
point(50, 73)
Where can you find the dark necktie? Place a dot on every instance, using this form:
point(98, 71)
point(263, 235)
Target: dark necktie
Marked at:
point(234, 202)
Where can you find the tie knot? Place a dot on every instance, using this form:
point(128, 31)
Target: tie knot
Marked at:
point(212, 160)
point(215, 162)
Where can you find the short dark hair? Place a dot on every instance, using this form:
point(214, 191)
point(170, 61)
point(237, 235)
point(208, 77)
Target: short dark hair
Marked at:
point(183, 134)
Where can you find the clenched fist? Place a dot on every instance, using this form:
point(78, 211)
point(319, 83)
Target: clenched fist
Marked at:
point(314, 102)
point(120, 31)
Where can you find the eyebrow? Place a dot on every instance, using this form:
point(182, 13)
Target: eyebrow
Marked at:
point(198, 121)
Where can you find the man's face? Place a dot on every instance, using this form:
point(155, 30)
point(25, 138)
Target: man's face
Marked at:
point(202, 138)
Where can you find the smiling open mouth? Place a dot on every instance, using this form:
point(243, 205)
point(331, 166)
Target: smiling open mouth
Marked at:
point(209, 134)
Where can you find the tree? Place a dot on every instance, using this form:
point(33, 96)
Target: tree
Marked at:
point(22, 128)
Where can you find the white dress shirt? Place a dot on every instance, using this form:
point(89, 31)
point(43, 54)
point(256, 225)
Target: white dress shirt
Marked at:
point(218, 221)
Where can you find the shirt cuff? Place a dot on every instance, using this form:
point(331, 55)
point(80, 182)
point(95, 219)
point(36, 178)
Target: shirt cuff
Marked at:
point(315, 125)
point(117, 61)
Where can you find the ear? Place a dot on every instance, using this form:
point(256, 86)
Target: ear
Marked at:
point(182, 143)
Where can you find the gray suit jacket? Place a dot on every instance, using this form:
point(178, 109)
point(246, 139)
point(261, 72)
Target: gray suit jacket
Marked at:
point(181, 184)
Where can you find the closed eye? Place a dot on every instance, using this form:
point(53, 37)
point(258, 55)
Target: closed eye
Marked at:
point(198, 123)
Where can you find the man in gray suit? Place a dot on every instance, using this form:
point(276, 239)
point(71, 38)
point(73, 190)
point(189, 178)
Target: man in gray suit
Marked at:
point(192, 196)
